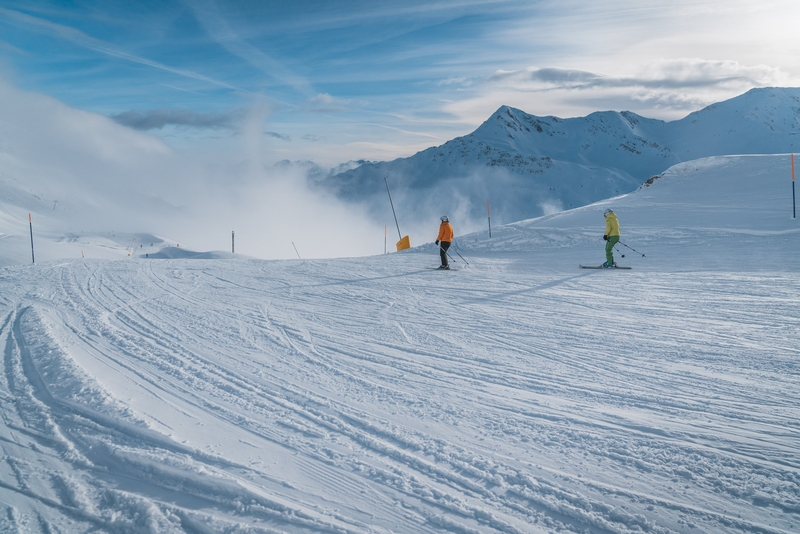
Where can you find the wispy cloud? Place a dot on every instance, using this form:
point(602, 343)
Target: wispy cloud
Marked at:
point(462, 81)
point(79, 38)
point(665, 88)
point(6, 46)
point(224, 34)
point(349, 13)
point(159, 118)
point(664, 74)
point(325, 103)
point(277, 135)
point(181, 89)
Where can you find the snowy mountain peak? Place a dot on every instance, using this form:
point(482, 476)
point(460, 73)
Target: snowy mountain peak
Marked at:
point(510, 123)
point(528, 165)
point(765, 102)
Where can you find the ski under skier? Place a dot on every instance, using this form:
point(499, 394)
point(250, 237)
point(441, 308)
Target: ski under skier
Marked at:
point(611, 236)
point(444, 239)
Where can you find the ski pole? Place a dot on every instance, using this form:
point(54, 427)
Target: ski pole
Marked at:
point(459, 254)
point(448, 254)
point(633, 249)
point(462, 257)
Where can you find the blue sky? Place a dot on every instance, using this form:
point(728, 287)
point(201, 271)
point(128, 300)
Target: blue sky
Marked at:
point(337, 80)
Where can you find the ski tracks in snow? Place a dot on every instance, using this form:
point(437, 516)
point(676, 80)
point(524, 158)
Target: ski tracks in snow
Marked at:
point(370, 396)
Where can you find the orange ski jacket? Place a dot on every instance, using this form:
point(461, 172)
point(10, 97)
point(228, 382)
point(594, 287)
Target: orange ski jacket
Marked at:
point(445, 232)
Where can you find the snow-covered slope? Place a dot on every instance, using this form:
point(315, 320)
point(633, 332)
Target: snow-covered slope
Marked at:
point(529, 166)
point(761, 121)
point(732, 211)
point(518, 394)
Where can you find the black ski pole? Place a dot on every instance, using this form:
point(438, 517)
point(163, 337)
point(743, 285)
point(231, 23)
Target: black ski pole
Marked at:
point(459, 255)
point(633, 249)
point(448, 254)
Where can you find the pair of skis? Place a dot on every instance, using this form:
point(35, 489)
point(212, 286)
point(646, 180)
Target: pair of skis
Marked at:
point(582, 267)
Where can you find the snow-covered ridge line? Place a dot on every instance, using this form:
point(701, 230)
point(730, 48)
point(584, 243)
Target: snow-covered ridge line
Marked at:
point(527, 165)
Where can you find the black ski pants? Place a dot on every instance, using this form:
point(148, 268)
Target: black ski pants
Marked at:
point(443, 246)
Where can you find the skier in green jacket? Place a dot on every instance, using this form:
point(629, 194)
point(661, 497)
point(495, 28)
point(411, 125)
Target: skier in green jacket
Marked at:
point(611, 236)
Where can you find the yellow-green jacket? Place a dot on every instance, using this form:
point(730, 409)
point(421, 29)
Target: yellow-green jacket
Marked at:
point(612, 225)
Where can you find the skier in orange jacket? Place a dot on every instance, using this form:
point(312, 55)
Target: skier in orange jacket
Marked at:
point(444, 239)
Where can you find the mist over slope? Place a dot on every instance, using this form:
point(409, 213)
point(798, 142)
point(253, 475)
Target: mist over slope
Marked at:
point(528, 166)
point(97, 188)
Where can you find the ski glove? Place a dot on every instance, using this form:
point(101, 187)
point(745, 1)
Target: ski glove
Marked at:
point(605, 238)
point(437, 242)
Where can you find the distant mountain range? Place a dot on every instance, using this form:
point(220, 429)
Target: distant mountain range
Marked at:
point(528, 166)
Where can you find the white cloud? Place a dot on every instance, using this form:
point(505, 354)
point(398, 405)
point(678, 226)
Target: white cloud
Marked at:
point(325, 103)
point(664, 88)
point(461, 81)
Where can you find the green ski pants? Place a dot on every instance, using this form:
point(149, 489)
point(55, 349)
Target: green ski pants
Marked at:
point(612, 240)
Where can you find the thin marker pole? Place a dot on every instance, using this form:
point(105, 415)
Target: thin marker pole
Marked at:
point(295, 250)
point(30, 222)
point(794, 205)
point(393, 212)
point(489, 215)
point(233, 249)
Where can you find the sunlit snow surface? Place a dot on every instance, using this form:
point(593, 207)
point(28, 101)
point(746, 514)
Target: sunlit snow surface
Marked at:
point(517, 394)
